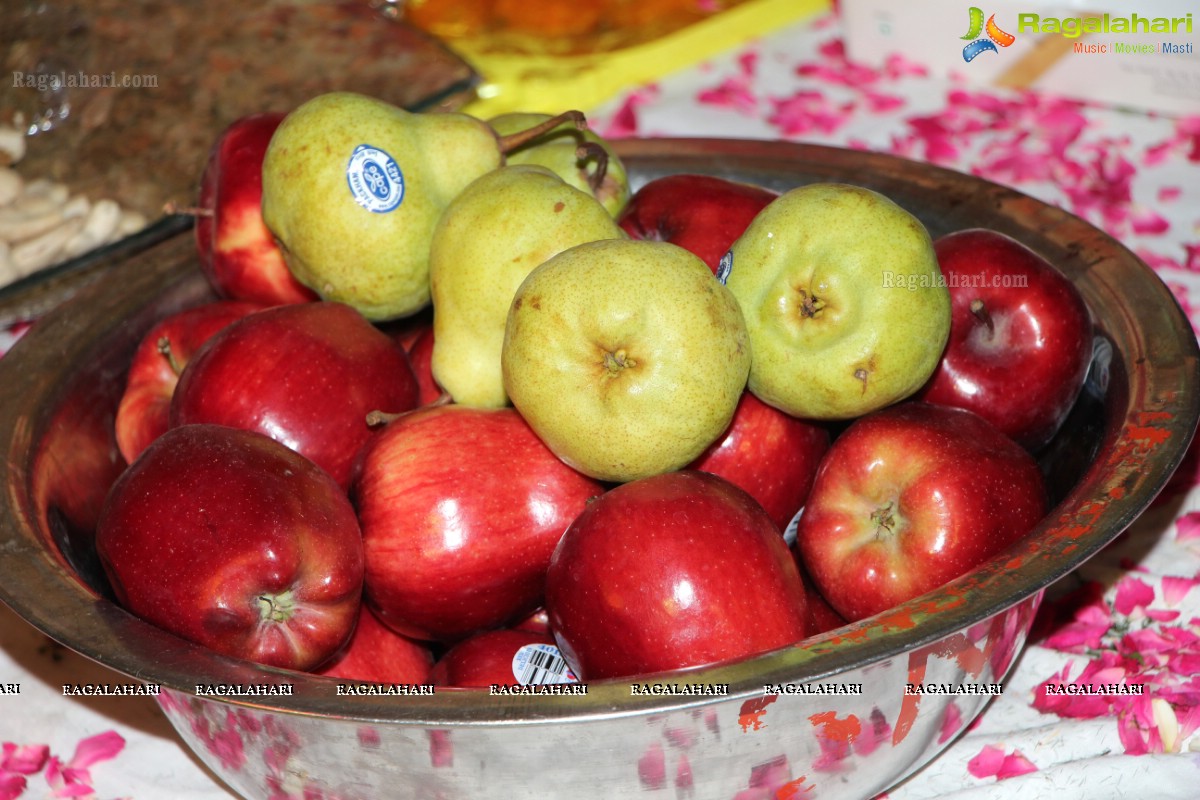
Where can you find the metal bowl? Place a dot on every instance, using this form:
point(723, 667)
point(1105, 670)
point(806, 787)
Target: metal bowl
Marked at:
point(59, 387)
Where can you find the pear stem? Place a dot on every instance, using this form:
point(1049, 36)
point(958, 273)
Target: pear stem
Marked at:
point(514, 140)
point(594, 150)
point(981, 313)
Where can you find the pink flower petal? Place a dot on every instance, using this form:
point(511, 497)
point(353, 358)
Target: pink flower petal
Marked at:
point(101, 747)
point(24, 759)
point(1132, 593)
point(1169, 193)
point(987, 762)
point(1175, 588)
point(12, 786)
point(1187, 527)
point(1145, 221)
point(1015, 764)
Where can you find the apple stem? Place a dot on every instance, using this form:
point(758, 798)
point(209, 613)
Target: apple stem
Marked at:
point(194, 211)
point(981, 313)
point(594, 150)
point(275, 608)
point(884, 519)
point(376, 418)
point(514, 140)
point(164, 347)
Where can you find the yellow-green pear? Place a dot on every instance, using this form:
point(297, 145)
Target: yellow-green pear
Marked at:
point(846, 307)
point(626, 357)
point(352, 189)
point(490, 237)
point(581, 157)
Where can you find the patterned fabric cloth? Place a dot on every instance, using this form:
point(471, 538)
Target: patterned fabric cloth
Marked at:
point(1130, 614)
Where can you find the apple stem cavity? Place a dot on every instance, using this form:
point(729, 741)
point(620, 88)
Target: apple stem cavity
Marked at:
point(276, 608)
point(594, 151)
point(164, 347)
point(513, 141)
point(981, 313)
point(884, 519)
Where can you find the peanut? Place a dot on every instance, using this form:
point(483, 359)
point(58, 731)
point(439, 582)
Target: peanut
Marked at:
point(12, 145)
point(98, 228)
point(42, 251)
point(11, 185)
point(18, 225)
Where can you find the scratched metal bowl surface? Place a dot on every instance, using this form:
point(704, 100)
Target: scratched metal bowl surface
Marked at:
point(59, 388)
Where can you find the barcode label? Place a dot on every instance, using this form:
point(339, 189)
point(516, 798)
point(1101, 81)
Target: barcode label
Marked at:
point(541, 664)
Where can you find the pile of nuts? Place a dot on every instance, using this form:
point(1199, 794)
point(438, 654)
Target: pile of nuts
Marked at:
point(42, 223)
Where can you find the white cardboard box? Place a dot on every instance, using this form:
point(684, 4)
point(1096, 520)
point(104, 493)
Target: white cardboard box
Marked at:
point(1143, 55)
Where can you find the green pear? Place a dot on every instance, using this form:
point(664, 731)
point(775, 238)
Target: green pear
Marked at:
point(580, 157)
point(352, 188)
point(488, 240)
point(846, 307)
point(626, 357)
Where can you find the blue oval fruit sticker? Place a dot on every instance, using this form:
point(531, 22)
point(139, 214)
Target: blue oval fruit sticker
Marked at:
point(375, 179)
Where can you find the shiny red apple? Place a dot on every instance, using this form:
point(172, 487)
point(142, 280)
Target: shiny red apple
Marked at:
point(461, 509)
point(671, 571)
point(700, 213)
point(144, 408)
point(377, 654)
point(1020, 336)
point(238, 255)
point(504, 657)
point(305, 374)
point(420, 355)
point(231, 540)
point(909, 498)
point(770, 454)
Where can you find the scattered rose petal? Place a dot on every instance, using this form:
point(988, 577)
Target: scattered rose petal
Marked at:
point(24, 760)
point(1015, 763)
point(1187, 527)
point(987, 762)
point(1132, 593)
point(1145, 221)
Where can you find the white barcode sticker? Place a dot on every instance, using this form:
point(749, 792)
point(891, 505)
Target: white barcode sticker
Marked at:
point(541, 664)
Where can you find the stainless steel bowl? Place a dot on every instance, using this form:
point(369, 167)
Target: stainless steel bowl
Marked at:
point(58, 391)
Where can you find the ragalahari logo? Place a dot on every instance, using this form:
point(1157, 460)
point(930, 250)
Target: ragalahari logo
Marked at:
point(995, 36)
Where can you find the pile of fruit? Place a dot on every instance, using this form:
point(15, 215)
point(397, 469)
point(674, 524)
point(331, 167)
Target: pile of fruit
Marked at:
point(470, 412)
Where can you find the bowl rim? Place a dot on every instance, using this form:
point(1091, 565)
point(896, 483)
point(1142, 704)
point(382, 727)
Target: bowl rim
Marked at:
point(1145, 441)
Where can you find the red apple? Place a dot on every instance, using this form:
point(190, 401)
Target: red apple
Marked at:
point(536, 622)
point(306, 375)
point(910, 497)
point(231, 540)
point(143, 412)
point(672, 571)
point(377, 654)
point(420, 355)
point(770, 454)
point(1020, 336)
point(461, 509)
point(504, 657)
point(821, 616)
point(700, 213)
point(238, 255)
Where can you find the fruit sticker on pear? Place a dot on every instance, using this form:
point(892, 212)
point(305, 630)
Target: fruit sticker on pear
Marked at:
point(375, 179)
